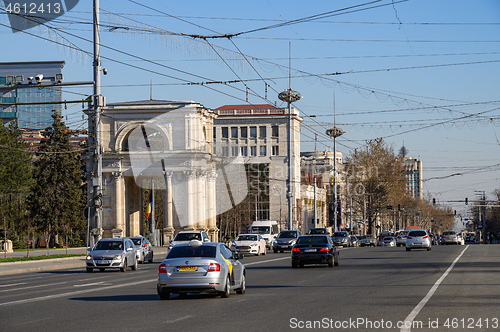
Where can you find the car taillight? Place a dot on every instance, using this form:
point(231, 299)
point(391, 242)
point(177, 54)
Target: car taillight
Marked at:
point(425, 237)
point(214, 267)
point(325, 249)
point(409, 237)
point(296, 250)
point(162, 268)
point(145, 245)
point(455, 236)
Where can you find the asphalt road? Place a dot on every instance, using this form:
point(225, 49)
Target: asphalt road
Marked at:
point(373, 289)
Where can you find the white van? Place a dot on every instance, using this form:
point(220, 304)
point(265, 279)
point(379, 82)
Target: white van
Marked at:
point(268, 229)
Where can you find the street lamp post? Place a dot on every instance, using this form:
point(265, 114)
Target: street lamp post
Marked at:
point(290, 96)
point(335, 132)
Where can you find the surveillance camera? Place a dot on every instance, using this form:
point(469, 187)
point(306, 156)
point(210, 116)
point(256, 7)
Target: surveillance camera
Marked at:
point(39, 78)
point(104, 71)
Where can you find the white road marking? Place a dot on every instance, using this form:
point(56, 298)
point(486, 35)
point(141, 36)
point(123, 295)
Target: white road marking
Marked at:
point(409, 320)
point(55, 296)
point(10, 285)
point(30, 287)
point(100, 283)
point(178, 319)
point(269, 260)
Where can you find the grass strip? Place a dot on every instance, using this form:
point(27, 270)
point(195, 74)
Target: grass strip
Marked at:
point(36, 258)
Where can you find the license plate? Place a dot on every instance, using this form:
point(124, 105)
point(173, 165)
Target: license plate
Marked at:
point(188, 268)
point(103, 262)
point(310, 250)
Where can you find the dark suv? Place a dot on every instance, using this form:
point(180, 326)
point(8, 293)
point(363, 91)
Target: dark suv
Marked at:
point(318, 231)
point(285, 240)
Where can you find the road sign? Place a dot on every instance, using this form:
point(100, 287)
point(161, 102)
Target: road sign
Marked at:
point(86, 212)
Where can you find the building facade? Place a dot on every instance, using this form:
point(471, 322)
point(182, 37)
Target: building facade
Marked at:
point(37, 111)
point(414, 181)
point(258, 135)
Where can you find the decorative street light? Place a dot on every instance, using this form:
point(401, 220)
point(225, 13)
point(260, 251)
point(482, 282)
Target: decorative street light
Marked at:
point(334, 132)
point(289, 96)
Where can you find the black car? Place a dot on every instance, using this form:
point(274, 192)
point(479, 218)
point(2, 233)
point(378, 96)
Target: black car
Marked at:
point(314, 249)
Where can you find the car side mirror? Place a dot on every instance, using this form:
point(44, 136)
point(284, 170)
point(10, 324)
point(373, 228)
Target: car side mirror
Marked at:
point(170, 241)
point(89, 249)
point(130, 249)
point(206, 240)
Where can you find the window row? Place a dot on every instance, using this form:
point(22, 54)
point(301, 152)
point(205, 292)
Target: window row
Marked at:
point(243, 151)
point(242, 132)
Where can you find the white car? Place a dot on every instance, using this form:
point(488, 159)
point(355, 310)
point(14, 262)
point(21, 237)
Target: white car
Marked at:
point(249, 244)
point(187, 236)
point(418, 239)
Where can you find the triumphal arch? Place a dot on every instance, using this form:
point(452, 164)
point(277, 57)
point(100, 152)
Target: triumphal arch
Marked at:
point(168, 143)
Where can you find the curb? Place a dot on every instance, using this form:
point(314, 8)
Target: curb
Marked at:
point(53, 264)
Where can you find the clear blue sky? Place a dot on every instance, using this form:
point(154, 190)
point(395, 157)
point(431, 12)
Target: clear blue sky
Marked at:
point(441, 56)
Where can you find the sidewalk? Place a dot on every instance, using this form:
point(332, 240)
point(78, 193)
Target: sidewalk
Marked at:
point(54, 264)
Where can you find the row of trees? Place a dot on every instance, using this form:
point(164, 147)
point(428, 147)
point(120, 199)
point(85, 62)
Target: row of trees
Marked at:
point(376, 178)
point(42, 189)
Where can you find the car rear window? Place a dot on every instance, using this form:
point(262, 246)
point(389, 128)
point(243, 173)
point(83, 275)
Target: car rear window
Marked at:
point(317, 231)
point(287, 235)
point(417, 233)
point(449, 233)
point(312, 240)
point(187, 251)
point(187, 236)
point(340, 234)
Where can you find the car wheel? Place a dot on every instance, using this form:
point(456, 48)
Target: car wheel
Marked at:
point(124, 268)
point(429, 249)
point(265, 251)
point(134, 267)
point(408, 249)
point(301, 265)
point(243, 287)
point(275, 250)
point(89, 270)
point(163, 295)
point(330, 262)
point(227, 290)
point(294, 265)
point(151, 259)
point(336, 260)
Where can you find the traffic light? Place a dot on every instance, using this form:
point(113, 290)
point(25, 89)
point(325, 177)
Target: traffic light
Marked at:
point(433, 201)
point(466, 201)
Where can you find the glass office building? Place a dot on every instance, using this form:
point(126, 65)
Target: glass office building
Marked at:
point(37, 114)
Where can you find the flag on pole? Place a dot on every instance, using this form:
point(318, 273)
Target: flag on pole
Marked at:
point(150, 205)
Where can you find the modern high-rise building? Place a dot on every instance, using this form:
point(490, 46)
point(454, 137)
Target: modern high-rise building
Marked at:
point(414, 181)
point(37, 109)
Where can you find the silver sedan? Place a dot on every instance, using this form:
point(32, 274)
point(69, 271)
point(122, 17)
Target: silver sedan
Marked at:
point(201, 267)
point(112, 254)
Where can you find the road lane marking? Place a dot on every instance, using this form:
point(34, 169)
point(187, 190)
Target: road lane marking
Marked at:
point(55, 296)
point(409, 320)
point(10, 285)
point(30, 287)
point(99, 283)
point(178, 319)
point(269, 260)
